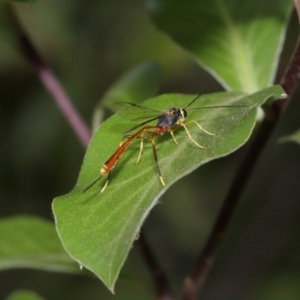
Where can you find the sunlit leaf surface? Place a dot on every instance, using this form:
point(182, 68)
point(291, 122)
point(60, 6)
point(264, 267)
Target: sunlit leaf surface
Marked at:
point(238, 42)
point(98, 229)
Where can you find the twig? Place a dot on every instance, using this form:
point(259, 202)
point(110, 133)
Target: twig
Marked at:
point(195, 280)
point(163, 290)
point(65, 105)
point(50, 82)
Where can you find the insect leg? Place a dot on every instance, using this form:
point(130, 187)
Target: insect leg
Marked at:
point(142, 137)
point(156, 161)
point(173, 136)
point(106, 183)
point(200, 127)
point(190, 137)
point(141, 149)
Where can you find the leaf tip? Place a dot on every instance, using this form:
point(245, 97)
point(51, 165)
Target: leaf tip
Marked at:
point(283, 96)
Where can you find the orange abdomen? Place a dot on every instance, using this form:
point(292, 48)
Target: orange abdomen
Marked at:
point(113, 160)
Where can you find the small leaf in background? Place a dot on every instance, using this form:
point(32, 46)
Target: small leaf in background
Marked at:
point(282, 286)
point(24, 295)
point(136, 85)
point(295, 137)
point(98, 229)
point(238, 42)
point(30, 242)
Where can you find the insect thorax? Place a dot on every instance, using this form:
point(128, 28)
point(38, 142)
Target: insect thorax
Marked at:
point(169, 118)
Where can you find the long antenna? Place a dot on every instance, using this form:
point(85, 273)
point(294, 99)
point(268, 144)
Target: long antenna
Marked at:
point(216, 106)
point(193, 100)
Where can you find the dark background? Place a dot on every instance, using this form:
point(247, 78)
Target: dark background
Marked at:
point(88, 45)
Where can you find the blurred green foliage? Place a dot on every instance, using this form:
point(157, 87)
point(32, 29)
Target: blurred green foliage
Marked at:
point(24, 295)
point(88, 45)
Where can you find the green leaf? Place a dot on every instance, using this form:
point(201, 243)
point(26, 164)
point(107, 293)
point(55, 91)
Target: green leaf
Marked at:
point(24, 295)
point(280, 286)
point(98, 229)
point(295, 137)
point(237, 41)
point(136, 85)
point(29, 242)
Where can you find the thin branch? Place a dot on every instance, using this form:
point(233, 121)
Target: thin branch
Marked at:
point(163, 290)
point(297, 6)
point(195, 280)
point(289, 81)
point(65, 105)
point(49, 81)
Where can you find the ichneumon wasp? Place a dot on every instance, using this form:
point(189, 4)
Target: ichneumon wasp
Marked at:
point(167, 121)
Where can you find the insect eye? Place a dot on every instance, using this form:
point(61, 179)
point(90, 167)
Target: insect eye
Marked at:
point(183, 113)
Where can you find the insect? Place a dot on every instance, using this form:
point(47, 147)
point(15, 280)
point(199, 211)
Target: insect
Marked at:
point(167, 121)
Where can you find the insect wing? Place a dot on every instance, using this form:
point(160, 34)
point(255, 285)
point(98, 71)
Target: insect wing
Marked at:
point(141, 124)
point(134, 112)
